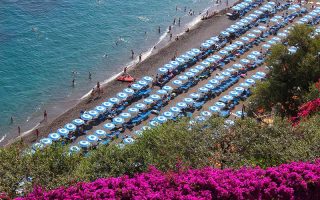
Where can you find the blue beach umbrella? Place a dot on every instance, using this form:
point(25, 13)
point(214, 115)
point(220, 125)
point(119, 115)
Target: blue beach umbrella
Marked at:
point(230, 30)
point(239, 89)
point(205, 63)
point(253, 16)
point(256, 31)
point(255, 53)
point(63, 132)
point(233, 46)
point(245, 39)
point(258, 12)
point(142, 83)
point(214, 81)
point(210, 42)
point(251, 57)
point(209, 86)
point(148, 101)
point(188, 101)
point(230, 70)
point(74, 149)
point(237, 66)
point(162, 92)
point(133, 111)
point(240, 113)
point(245, 61)
point(223, 52)
point(46, 141)
point(168, 67)
point(266, 46)
point(177, 82)
point(236, 8)
point(240, 24)
point(262, 74)
point(220, 78)
point(205, 45)
point(197, 51)
point(200, 119)
point(125, 116)
point(136, 86)
point(183, 78)
point(155, 97)
point(93, 113)
point(244, 85)
point(235, 27)
point(200, 67)
point(108, 105)
point(84, 144)
point(220, 104)
point(86, 117)
point(167, 88)
point(100, 109)
point(118, 120)
point(210, 60)
point(282, 35)
point(216, 57)
point(161, 119)
point(271, 42)
point(194, 95)
point(153, 124)
point(203, 90)
point(168, 114)
point(225, 33)
point(225, 73)
point(175, 110)
point(206, 114)
point(274, 20)
point(70, 127)
point(256, 77)
point(181, 105)
point(250, 81)
point(163, 70)
point(128, 140)
point(114, 100)
point(229, 48)
point(175, 63)
point(245, 21)
point(37, 146)
point(148, 79)
point(109, 126)
point(276, 39)
point(54, 136)
point(191, 53)
point(234, 93)
point(195, 71)
point(78, 122)
point(100, 133)
point(189, 74)
point(262, 28)
point(215, 38)
point(180, 60)
point(138, 133)
point(227, 97)
point(239, 43)
point(214, 109)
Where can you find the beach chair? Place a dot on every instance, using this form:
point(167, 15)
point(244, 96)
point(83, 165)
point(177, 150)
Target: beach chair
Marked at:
point(198, 105)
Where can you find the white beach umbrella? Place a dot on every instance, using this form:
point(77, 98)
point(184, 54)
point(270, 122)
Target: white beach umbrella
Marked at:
point(194, 70)
point(109, 126)
point(251, 57)
point(181, 105)
point(114, 100)
point(161, 119)
point(118, 120)
point(197, 51)
point(38, 146)
point(239, 43)
point(256, 77)
point(236, 27)
point(148, 79)
point(100, 133)
point(262, 74)
point(216, 57)
point(240, 113)
point(194, 95)
point(133, 111)
point(175, 110)
point(229, 122)
point(215, 39)
point(210, 42)
point(276, 39)
point(209, 86)
point(189, 74)
point(74, 149)
point(177, 82)
point(155, 97)
point(214, 82)
point(255, 53)
point(168, 114)
point(225, 33)
point(70, 127)
point(205, 45)
point(168, 67)
point(271, 42)
point(203, 90)
point(63, 132)
point(256, 31)
point(251, 35)
point(220, 78)
point(200, 67)
point(86, 117)
point(237, 66)
point(191, 53)
point(162, 70)
point(136, 86)
point(245, 85)
point(100, 109)
point(78, 122)
point(138, 133)
point(223, 52)
point(206, 114)
point(266, 46)
point(200, 119)
point(250, 81)
point(258, 12)
point(230, 70)
point(234, 93)
point(225, 73)
point(122, 95)
point(214, 109)
point(183, 78)
point(205, 63)
point(126, 116)
point(92, 138)
point(142, 83)
point(162, 92)
point(128, 140)
point(174, 63)
point(245, 39)
point(262, 28)
point(93, 113)
point(239, 89)
point(54, 136)
point(46, 141)
point(108, 105)
point(230, 30)
point(148, 101)
point(210, 60)
point(245, 61)
point(188, 101)
point(220, 104)
point(180, 60)
point(167, 88)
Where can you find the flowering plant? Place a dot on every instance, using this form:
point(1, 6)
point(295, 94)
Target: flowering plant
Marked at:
point(297, 180)
point(306, 109)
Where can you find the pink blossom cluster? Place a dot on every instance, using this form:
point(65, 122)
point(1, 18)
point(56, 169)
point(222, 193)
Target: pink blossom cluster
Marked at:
point(306, 109)
point(297, 180)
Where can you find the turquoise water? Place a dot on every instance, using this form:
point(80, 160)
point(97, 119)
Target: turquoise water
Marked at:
point(43, 41)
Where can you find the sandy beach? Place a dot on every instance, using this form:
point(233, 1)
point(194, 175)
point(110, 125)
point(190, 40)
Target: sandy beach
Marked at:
point(160, 56)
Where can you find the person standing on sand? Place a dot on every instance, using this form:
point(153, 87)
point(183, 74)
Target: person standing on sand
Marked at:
point(140, 57)
point(19, 130)
point(45, 115)
point(132, 54)
point(37, 133)
point(174, 21)
point(169, 29)
point(125, 70)
point(170, 36)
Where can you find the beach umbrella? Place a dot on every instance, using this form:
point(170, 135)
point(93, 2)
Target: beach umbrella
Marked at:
point(86, 117)
point(214, 81)
point(234, 93)
point(271, 3)
point(240, 24)
point(93, 113)
point(225, 33)
point(183, 78)
point(256, 31)
point(220, 104)
point(210, 42)
point(174, 63)
point(225, 73)
point(271, 42)
point(100, 133)
point(262, 28)
point(167, 88)
point(203, 90)
point(197, 51)
point(200, 119)
point(251, 35)
point(125, 116)
point(237, 66)
point(114, 100)
point(181, 105)
point(230, 70)
point(155, 97)
point(227, 97)
point(37, 146)
point(205, 63)
point(210, 60)
point(100, 109)
point(74, 149)
point(46, 141)
point(84, 144)
point(276, 39)
point(236, 8)
point(175, 110)
point(239, 89)
point(177, 82)
point(191, 53)
point(229, 48)
point(118, 120)
point(245, 21)
point(205, 45)
point(148, 79)
point(245, 39)
point(142, 83)
point(215, 39)
point(168, 115)
point(235, 27)
point(128, 140)
point(250, 81)
point(168, 67)
point(200, 67)
point(145, 128)
point(133, 111)
point(78, 122)
point(266, 46)
point(239, 113)
point(54, 136)
point(223, 52)
point(245, 61)
point(292, 50)
point(229, 122)
point(256, 77)
point(255, 53)
point(109, 126)
point(162, 92)
point(70, 127)
point(274, 20)
point(220, 78)
point(230, 30)
point(189, 74)
point(255, 16)
point(195, 71)
point(262, 74)
point(148, 101)
point(162, 70)
point(206, 114)
point(108, 105)
point(214, 109)
point(239, 43)
point(209, 86)
point(251, 57)
point(216, 57)
point(138, 133)
point(194, 95)
point(282, 35)
point(122, 95)
point(188, 101)
point(180, 60)
point(258, 12)
point(245, 85)
point(161, 119)
point(63, 132)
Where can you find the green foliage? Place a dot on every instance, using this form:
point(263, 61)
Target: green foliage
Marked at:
point(291, 75)
point(168, 147)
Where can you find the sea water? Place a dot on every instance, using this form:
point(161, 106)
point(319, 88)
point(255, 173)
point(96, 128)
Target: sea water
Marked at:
point(45, 43)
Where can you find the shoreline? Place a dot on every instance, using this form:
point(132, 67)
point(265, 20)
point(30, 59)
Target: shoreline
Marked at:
point(152, 59)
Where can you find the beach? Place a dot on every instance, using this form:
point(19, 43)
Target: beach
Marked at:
point(201, 31)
